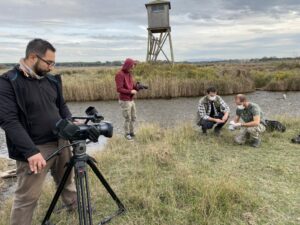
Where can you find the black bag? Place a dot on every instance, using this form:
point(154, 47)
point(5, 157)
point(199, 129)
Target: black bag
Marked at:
point(273, 125)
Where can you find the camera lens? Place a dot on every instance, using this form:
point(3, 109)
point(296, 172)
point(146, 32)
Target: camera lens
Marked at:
point(106, 129)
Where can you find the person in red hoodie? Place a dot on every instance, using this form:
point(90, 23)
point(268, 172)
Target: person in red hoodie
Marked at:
point(127, 89)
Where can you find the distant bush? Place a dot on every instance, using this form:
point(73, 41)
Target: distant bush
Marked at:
point(261, 78)
point(288, 65)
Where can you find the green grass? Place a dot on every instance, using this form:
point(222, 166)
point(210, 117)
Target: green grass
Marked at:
point(279, 80)
point(177, 176)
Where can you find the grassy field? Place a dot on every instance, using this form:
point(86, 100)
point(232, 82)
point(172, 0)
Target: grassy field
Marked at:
point(182, 80)
point(177, 176)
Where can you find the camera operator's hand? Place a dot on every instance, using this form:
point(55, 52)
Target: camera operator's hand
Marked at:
point(93, 134)
point(133, 92)
point(36, 163)
point(78, 122)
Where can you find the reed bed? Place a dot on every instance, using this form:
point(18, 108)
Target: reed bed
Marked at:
point(182, 80)
point(164, 81)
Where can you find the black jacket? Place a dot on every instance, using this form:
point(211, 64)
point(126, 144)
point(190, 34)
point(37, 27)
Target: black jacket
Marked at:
point(13, 116)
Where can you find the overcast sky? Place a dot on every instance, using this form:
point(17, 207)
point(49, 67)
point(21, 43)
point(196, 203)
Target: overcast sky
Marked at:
point(98, 30)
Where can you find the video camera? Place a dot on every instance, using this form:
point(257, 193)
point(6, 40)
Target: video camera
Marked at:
point(141, 86)
point(77, 135)
point(66, 129)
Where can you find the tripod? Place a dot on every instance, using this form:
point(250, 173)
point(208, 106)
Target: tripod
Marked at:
point(79, 162)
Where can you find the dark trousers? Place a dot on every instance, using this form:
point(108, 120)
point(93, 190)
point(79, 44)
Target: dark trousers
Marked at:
point(206, 124)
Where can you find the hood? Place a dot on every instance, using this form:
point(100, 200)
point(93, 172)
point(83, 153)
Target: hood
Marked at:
point(128, 64)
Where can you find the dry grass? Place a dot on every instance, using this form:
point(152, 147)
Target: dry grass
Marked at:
point(182, 80)
point(164, 81)
point(176, 176)
point(3, 167)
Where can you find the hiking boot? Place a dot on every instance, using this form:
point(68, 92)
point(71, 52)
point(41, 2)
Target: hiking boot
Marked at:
point(128, 137)
point(296, 140)
point(217, 132)
point(69, 208)
point(132, 135)
point(72, 207)
point(255, 143)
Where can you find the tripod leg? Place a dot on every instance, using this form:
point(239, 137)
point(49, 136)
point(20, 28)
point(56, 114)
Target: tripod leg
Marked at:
point(58, 192)
point(105, 184)
point(84, 203)
point(88, 197)
point(84, 207)
point(79, 205)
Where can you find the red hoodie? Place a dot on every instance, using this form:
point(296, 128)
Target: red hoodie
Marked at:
point(124, 81)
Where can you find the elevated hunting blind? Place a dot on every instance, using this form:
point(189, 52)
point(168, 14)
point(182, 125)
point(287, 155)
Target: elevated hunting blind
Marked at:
point(159, 30)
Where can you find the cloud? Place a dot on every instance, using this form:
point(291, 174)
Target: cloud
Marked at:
point(112, 30)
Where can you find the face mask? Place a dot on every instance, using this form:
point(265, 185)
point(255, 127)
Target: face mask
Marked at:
point(241, 107)
point(212, 98)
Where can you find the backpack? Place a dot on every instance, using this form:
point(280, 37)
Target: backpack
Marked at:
point(273, 125)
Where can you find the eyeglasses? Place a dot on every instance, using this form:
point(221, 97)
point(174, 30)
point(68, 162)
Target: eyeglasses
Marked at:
point(49, 63)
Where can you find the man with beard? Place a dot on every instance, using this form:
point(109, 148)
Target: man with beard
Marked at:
point(253, 124)
point(31, 103)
